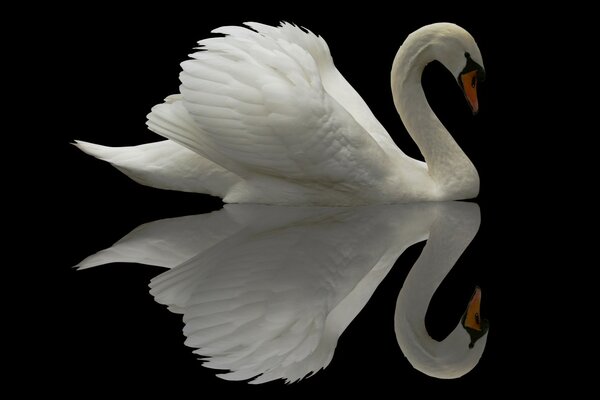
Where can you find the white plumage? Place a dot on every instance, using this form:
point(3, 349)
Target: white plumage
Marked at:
point(269, 119)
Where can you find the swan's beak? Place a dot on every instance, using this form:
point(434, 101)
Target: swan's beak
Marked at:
point(473, 318)
point(468, 82)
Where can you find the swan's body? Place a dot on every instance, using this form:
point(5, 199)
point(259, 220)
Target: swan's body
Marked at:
point(265, 292)
point(264, 116)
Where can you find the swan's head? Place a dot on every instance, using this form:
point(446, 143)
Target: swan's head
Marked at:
point(456, 49)
point(454, 356)
point(471, 320)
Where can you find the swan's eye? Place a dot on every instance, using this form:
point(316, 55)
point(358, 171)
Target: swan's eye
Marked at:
point(473, 66)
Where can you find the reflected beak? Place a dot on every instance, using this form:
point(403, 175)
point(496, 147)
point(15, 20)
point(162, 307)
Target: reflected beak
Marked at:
point(469, 86)
point(473, 318)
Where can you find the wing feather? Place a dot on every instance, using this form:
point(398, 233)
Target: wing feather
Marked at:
point(258, 99)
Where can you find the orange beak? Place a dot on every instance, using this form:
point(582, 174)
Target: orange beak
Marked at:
point(473, 317)
point(469, 86)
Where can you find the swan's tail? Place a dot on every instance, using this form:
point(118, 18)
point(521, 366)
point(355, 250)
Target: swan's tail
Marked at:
point(166, 164)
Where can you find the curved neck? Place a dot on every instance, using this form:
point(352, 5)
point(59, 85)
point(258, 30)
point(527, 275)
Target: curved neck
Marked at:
point(455, 226)
point(449, 167)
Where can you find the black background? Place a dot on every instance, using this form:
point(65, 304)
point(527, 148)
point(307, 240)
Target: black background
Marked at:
point(104, 68)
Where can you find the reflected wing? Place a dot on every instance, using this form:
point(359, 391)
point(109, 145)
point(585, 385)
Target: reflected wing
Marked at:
point(265, 303)
point(261, 108)
point(266, 291)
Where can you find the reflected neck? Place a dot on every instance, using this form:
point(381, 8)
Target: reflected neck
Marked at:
point(455, 226)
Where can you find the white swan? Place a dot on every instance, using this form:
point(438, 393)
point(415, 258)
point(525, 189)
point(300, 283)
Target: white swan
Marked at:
point(266, 292)
point(264, 116)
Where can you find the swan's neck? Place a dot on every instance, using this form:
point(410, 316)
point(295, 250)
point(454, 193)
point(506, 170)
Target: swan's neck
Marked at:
point(454, 175)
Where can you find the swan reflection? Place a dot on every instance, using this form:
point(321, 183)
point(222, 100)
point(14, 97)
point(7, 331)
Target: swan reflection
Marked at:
point(265, 292)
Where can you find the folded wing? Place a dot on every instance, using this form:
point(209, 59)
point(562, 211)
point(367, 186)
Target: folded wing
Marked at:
point(260, 105)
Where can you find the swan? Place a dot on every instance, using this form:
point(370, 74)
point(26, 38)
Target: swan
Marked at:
point(266, 292)
point(264, 116)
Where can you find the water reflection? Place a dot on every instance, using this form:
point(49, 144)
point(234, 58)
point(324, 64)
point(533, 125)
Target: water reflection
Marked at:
point(265, 292)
